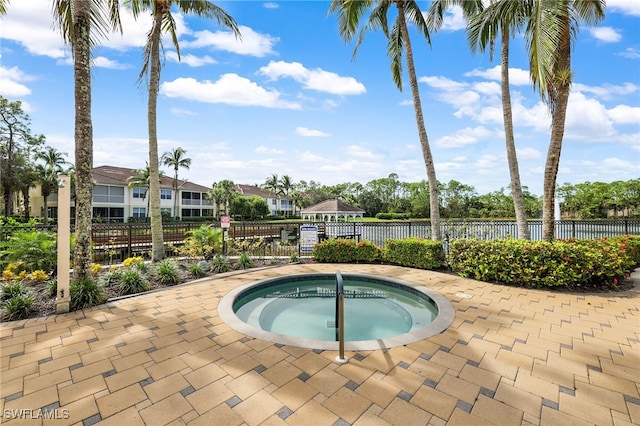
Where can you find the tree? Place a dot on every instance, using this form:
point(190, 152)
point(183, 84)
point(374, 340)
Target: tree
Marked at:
point(223, 193)
point(16, 144)
point(350, 13)
point(142, 179)
point(53, 164)
point(82, 23)
point(272, 184)
point(481, 40)
point(163, 21)
point(176, 159)
point(550, 27)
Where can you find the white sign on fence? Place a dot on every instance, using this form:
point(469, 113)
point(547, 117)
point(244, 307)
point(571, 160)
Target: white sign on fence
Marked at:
point(308, 237)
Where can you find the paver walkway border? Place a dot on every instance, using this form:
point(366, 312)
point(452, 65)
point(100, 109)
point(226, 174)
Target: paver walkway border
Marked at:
point(511, 356)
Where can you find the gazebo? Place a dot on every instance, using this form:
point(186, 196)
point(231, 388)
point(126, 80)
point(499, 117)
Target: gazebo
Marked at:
point(332, 211)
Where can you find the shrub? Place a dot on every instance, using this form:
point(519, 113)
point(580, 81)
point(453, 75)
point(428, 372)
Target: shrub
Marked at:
point(245, 262)
point(18, 307)
point(86, 293)
point(202, 242)
point(196, 270)
point(132, 261)
point(220, 264)
point(96, 268)
point(37, 250)
point(294, 258)
point(345, 251)
point(39, 276)
point(11, 290)
point(53, 288)
point(131, 281)
point(561, 263)
point(415, 253)
point(167, 272)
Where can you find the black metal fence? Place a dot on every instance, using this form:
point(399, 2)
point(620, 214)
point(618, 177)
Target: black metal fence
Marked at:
point(113, 243)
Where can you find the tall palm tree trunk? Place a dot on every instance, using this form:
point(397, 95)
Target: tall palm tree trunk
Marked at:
point(154, 167)
point(434, 205)
point(514, 172)
point(560, 100)
point(83, 139)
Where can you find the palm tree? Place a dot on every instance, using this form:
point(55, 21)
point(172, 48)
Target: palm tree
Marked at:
point(82, 23)
point(176, 159)
point(471, 9)
point(141, 179)
point(272, 184)
point(48, 173)
point(163, 22)
point(550, 26)
point(350, 13)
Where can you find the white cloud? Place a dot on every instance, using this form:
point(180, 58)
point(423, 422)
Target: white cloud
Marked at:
point(359, 152)
point(587, 119)
point(102, 62)
point(442, 83)
point(528, 153)
point(316, 79)
point(267, 150)
point(303, 131)
point(517, 76)
point(627, 7)
point(624, 114)
point(11, 82)
point(271, 5)
point(606, 91)
point(605, 34)
point(29, 24)
point(453, 20)
point(189, 59)
point(251, 42)
point(179, 111)
point(230, 89)
point(466, 136)
point(631, 53)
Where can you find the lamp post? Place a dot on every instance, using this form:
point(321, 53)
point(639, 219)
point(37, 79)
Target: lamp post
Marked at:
point(63, 297)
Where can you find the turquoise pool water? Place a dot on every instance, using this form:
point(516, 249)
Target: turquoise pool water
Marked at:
point(304, 306)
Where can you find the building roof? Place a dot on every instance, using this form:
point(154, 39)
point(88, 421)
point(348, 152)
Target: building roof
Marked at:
point(251, 190)
point(332, 206)
point(111, 175)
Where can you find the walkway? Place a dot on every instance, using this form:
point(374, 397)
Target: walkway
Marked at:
point(511, 356)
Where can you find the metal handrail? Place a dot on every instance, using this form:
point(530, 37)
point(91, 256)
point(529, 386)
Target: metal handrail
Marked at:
point(340, 317)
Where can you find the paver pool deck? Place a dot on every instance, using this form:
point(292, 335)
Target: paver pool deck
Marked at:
point(512, 356)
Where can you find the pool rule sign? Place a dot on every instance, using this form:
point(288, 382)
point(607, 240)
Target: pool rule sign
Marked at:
point(225, 223)
point(308, 238)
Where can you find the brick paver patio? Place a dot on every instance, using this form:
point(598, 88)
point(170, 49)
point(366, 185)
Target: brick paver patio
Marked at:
point(511, 356)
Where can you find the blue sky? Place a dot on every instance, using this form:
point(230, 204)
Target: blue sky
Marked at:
point(289, 99)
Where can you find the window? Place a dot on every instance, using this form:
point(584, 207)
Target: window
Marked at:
point(273, 202)
point(139, 212)
point(191, 198)
point(108, 215)
point(165, 194)
point(108, 194)
point(139, 192)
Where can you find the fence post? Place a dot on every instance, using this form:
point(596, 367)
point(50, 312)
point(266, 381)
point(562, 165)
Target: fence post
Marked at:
point(129, 250)
point(626, 226)
point(573, 229)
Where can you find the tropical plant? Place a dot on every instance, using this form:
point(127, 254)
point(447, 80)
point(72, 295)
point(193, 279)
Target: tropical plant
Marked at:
point(550, 27)
point(141, 179)
point(245, 262)
point(18, 307)
point(82, 23)
point(86, 293)
point(220, 264)
point(12, 289)
point(167, 272)
point(131, 281)
point(48, 173)
point(350, 13)
point(163, 21)
point(176, 159)
point(196, 270)
point(35, 249)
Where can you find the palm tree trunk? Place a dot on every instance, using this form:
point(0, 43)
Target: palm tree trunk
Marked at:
point(83, 139)
point(434, 204)
point(559, 101)
point(514, 172)
point(154, 167)
point(175, 193)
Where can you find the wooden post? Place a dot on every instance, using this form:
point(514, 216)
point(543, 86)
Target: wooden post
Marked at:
point(63, 298)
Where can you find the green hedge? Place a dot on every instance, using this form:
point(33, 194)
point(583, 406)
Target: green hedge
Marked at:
point(346, 251)
point(561, 263)
point(414, 252)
